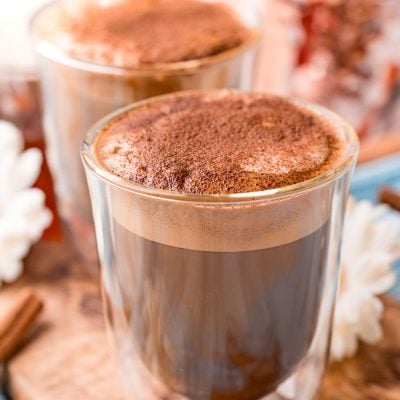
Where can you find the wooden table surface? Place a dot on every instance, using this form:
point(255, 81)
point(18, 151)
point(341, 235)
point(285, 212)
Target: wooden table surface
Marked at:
point(67, 356)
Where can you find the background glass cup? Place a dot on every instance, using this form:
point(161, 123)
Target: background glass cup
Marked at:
point(77, 93)
point(342, 54)
point(220, 296)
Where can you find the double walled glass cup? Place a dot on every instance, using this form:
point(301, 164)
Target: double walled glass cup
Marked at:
point(77, 93)
point(220, 296)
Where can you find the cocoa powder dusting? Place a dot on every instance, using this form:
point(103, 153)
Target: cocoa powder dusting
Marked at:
point(218, 143)
point(135, 32)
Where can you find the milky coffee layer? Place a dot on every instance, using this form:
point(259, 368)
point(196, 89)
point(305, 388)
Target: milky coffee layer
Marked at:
point(219, 143)
point(130, 33)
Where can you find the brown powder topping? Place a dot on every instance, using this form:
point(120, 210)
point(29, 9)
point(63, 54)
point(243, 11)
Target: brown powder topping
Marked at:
point(133, 32)
point(218, 143)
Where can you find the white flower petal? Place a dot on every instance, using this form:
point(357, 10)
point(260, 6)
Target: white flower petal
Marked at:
point(344, 343)
point(12, 226)
point(370, 331)
point(29, 205)
point(348, 306)
point(10, 270)
point(26, 201)
point(351, 346)
point(337, 347)
point(11, 139)
point(28, 168)
point(385, 237)
point(383, 283)
point(14, 244)
point(372, 271)
point(355, 230)
point(38, 223)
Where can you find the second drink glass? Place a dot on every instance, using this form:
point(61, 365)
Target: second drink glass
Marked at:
point(77, 92)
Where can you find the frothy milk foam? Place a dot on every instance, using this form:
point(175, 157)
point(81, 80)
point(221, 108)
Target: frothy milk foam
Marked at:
point(229, 227)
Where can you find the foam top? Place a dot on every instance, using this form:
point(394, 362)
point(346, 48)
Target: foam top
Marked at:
point(129, 33)
point(219, 143)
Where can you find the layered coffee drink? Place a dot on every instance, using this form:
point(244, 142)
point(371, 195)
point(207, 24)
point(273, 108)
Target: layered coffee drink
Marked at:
point(214, 291)
point(96, 56)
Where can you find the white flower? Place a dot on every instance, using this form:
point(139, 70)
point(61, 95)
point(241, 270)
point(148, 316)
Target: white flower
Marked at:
point(23, 216)
point(371, 243)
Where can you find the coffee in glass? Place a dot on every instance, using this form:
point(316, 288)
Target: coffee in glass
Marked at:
point(218, 218)
point(96, 56)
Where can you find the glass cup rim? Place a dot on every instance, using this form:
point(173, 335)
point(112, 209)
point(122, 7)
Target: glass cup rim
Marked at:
point(92, 164)
point(51, 51)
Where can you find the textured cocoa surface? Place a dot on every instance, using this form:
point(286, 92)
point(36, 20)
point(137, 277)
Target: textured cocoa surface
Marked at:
point(218, 143)
point(136, 32)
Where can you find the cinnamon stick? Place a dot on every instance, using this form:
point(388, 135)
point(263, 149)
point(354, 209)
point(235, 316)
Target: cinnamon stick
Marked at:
point(389, 196)
point(15, 324)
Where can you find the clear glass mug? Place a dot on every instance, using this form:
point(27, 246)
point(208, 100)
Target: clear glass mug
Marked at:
point(342, 54)
point(77, 93)
point(220, 296)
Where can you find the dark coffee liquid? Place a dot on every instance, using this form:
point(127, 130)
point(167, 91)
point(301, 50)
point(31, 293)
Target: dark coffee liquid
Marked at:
point(220, 325)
